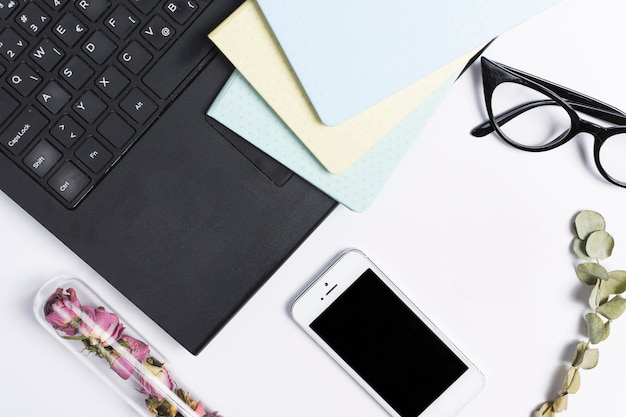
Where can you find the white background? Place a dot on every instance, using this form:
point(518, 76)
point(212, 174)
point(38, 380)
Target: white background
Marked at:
point(475, 232)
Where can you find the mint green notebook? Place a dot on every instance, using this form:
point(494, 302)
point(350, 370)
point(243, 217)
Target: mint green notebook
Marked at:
point(241, 109)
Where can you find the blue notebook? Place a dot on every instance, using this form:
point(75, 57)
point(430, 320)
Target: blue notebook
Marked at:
point(241, 108)
point(350, 55)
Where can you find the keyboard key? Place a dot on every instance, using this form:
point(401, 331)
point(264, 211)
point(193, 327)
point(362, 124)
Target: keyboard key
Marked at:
point(56, 5)
point(112, 82)
point(89, 106)
point(93, 154)
point(24, 79)
point(76, 72)
point(8, 6)
point(23, 130)
point(53, 97)
point(70, 29)
point(158, 32)
point(145, 6)
point(32, 19)
point(45, 41)
point(121, 22)
point(181, 10)
point(11, 44)
point(99, 47)
point(138, 105)
point(92, 9)
point(115, 130)
point(69, 182)
point(7, 105)
point(181, 58)
point(135, 57)
point(42, 158)
point(67, 131)
point(47, 55)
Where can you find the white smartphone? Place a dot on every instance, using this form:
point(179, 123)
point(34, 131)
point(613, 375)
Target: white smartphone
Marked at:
point(383, 341)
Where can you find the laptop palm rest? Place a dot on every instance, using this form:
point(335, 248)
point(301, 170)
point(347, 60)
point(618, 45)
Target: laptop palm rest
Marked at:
point(272, 169)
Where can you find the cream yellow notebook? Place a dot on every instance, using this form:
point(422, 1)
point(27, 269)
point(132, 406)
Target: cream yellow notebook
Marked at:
point(248, 42)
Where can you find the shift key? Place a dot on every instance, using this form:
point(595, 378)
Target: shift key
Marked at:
point(23, 130)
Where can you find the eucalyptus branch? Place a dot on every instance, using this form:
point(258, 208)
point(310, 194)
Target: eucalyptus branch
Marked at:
point(591, 244)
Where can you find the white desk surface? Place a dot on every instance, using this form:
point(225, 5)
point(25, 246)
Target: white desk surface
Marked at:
point(475, 232)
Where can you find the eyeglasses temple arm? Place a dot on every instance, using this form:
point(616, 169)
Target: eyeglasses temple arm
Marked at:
point(501, 119)
point(570, 96)
point(601, 113)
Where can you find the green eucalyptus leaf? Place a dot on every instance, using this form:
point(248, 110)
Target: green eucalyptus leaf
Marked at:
point(599, 245)
point(571, 382)
point(581, 348)
point(614, 308)
point(590, 359)
point(560, 404)
point(590, 272)
point(595, 327)
point(578, 246)
point(607, 330)
point(587, 222)
point(544, 411)
point(604, 292)
point(594, 296)
point(616, 284)
point(545, 407)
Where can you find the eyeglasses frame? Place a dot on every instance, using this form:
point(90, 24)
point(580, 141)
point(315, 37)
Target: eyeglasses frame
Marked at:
point(571, 101)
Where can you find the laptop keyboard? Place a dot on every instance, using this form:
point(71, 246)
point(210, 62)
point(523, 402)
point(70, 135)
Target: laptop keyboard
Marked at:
point(81, 80)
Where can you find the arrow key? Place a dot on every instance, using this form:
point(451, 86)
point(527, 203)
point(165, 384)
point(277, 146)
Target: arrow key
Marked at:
point(53, 97)
point(67, 131)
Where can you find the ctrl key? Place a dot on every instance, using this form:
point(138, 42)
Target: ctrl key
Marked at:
point(69, 181)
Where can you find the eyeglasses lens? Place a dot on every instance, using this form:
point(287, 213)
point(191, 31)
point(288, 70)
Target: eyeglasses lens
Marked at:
point(613, 157)
point(537, 120)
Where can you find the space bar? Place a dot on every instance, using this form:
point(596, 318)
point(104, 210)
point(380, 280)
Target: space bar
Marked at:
point(177, 63)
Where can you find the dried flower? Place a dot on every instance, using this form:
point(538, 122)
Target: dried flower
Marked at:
point(100, 326)
point(102, 333)
point(62, 311)
point(121, 366)
point(133, 347)
point(161, 373)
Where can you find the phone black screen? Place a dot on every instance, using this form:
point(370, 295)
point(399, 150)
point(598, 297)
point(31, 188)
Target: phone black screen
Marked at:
point(388, 345)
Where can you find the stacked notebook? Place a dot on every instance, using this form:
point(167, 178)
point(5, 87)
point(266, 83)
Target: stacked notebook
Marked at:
point(338, 92)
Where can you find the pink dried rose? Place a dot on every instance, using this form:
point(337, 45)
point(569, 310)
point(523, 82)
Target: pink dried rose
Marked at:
point(121, 366)
point(157, 369)
point(102, 333)
point(100, 326)
point(131, 346)
point(199, 409)
point(62, 311)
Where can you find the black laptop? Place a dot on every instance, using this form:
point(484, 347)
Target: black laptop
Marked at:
point(105, 141)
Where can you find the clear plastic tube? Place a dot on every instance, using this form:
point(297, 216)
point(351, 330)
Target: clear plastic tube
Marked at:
point(80, 320)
